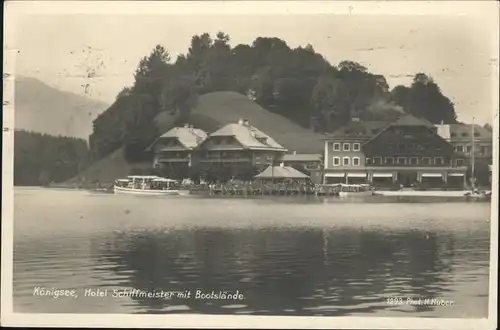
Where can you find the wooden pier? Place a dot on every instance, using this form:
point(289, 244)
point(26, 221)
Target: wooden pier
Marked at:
point(269, 190)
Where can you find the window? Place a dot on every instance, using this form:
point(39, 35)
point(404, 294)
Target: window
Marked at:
point(453, 135)
point(459, 148)
point(389, 160)
point(426, 161)
point(464, 134)
point(347, 147)
point(413, 161)
point(401, 146)
point(336, 161)
point(269, 158)
point(375, 131)
point(355, 161)
point(336, 147)
point(438, 161)
point(476, 134)
point(368, 161)
point(377, 160)
point(345, 161)
point(460, 162)
point(401, 160)
point(469, 149)
point(355, 146)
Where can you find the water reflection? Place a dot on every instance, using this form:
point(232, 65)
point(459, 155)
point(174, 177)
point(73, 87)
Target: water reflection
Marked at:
point(297, 271)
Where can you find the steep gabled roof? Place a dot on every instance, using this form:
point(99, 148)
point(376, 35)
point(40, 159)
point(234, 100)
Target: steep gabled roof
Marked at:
point(410, 120)
point(281, 172)
point(189, 137)
point(248, 136)
point(407, 120)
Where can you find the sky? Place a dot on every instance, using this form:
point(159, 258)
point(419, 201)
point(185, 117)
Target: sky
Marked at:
point(459, 51)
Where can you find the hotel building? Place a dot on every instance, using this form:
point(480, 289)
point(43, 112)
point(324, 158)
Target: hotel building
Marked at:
point(405, 152)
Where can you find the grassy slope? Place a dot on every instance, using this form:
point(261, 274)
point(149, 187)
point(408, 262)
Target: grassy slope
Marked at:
point(213, 111)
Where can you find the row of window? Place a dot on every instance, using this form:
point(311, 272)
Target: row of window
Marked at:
point(346, 161)
point(346, 146)
point(354, 161)
point(484, 150)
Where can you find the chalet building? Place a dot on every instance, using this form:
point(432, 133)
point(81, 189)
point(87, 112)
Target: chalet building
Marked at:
point(461, 136)
point(238, 146)
point(405, 152)
point(309, 163)
point(175, 150)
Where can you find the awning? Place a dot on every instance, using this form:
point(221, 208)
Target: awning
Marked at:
point(382, 175)
point(432, 175)
point(334, 175)
point(356, 175)
point(456, 174)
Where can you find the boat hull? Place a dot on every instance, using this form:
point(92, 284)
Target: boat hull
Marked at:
point(145, 192)
point(422, 193)
point(354, 193)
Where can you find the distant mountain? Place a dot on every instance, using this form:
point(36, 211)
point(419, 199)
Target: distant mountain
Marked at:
point(45, 109)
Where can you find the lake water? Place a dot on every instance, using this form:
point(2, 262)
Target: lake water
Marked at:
point(284, 256)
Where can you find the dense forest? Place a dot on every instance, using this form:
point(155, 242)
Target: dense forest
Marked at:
point(299, 84)
point(40, 159)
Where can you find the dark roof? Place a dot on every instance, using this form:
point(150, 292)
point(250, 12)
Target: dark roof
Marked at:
point(410, 120)
point(359, 129)
point(302, 157)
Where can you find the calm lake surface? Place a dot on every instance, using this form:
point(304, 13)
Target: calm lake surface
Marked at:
point(285, 256)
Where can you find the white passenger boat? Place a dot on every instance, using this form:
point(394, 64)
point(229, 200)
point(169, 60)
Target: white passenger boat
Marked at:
point(355, 190)
point(146, 185)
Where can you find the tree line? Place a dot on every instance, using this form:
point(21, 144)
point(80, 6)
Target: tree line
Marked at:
point(40, 159)
point(297, 83)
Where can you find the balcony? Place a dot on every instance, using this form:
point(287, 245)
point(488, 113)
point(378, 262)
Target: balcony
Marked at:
point(226, 160)
point(173, 159)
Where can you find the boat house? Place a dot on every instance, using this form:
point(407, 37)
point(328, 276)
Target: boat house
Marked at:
point(281, 174)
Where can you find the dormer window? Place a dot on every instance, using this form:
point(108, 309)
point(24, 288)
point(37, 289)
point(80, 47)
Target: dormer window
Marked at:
point(453, 135)
point(262, 140)
point(464, 134)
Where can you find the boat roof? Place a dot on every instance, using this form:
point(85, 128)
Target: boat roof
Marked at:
point(123, 180)
point(164, 180)
point(143, 177)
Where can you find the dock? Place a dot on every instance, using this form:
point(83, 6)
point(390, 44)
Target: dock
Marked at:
point(269, 190)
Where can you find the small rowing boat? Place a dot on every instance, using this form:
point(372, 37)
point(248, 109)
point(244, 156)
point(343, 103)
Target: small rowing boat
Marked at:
point(149, 185)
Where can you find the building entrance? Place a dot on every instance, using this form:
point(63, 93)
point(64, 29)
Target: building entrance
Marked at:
point(407, 179)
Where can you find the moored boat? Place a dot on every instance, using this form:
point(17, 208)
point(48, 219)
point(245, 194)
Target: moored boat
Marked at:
point(431, 193)
point(146, 185)
point(355, 190)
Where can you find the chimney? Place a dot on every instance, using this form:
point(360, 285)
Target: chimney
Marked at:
point(186, 125)
point(294, 152)
point(246, 122)
point(241, 121)
point(191, 126)
point(442, 122)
